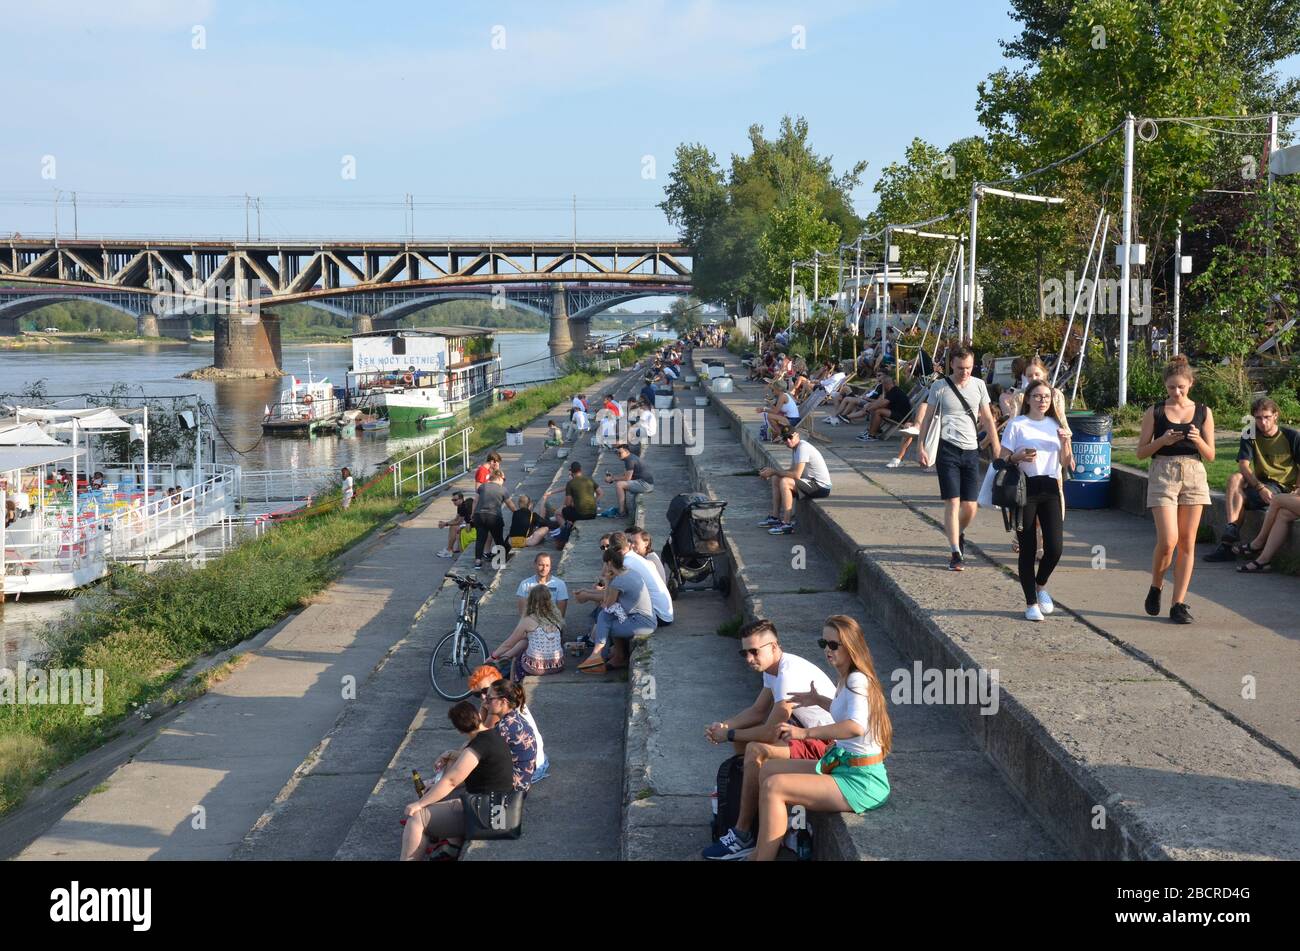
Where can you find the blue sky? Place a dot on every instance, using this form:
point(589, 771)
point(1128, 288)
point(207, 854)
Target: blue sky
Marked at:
point(498, 139)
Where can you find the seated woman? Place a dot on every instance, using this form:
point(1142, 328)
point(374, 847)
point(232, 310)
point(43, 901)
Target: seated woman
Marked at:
point(527, 528)
point(781, 411)
point(850, 776)
point(501, 709)
point(483, 766)
point(643, 544)
point(1283, 509)
point(534, 647)
point(626, 611)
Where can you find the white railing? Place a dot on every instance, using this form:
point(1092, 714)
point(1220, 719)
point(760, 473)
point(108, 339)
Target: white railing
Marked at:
point(432, 467)
point(284, 485)
point(147, 529)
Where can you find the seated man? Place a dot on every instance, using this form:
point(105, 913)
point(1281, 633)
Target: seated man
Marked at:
point(577, 425)
point(635, 478)
point(1268, 464)
point(542, 576)
point(754, 731)
point(892, 405)
point(463, 519)
point(580, 495)
point(806, 478)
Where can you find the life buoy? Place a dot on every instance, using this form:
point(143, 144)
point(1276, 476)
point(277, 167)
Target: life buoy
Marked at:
point(306, 401)
point(408, 379)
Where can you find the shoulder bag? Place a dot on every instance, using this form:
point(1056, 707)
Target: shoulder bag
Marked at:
point(494, 815)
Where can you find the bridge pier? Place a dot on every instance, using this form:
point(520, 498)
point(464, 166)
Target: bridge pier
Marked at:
point(10, 326)
point(561, 342)
point(247, 342)
point(362, 323)
point(579, 331)
point(176, 328)
point(146, 325)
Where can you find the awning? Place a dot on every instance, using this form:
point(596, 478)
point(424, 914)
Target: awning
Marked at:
point(95, 419)
point(26, 434)
point(28, 457)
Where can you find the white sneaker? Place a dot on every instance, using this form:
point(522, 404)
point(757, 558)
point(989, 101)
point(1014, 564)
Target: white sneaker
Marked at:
point(446, 553)
point(1045, 602)
point(910, 431)
point(893, 463)
point(1033, 614)
point(831, 420)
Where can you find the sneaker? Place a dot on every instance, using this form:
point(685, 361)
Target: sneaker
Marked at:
point(1033, 613)
point(910, 431)
point(769, 522)
point(893, 463)
point(1045, 602)
point(781, 528)
point(1153, 602)
point(478, 563)
point(955, 562)
point(554, 533)
point(446, 553)
point(733, 845)
point(867, 437)
point(1222, 553)
point(1180, 613)
point(832, 420)
point(961, 543)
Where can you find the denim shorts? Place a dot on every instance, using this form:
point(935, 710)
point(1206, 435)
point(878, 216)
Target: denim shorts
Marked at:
point(959, 472)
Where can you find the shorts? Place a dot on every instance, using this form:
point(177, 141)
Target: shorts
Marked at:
point(808, 749)
point(638, 485)
point(959, 472)
point(863, 787)
point(1256, 504)
point(805, 489)
point(1177, 480)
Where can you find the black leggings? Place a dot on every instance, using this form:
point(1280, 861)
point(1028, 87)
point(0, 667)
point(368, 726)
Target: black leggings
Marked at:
point(1043, 502)
point(483, 524)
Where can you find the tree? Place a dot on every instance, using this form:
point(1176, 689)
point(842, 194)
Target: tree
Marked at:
point(795, 229)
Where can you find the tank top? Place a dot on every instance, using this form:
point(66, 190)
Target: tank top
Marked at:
point(544, 642)
point(1162, 425)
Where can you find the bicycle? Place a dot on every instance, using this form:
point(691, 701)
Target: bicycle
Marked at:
point(461, 650)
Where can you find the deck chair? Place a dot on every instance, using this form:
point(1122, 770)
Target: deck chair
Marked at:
point(807, 410)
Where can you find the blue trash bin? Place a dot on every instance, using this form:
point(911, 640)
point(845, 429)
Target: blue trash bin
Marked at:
point(1088, 487)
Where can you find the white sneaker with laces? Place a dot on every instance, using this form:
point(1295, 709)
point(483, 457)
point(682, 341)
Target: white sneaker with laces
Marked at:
point(1045, 602)
point(910, 431)
point(893, 463)
point(446, 553)
point(1033, 614)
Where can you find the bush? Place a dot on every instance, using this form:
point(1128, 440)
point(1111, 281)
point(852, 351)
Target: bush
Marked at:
point(1024, 338)
point(1225, 389)
point(1100, 385)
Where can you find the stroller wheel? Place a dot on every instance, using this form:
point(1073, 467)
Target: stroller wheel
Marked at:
point(722, 584)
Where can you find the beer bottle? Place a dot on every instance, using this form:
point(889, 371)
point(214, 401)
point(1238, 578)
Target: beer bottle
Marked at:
point(419, 783)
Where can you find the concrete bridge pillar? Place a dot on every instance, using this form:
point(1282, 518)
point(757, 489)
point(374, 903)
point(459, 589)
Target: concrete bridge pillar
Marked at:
point(245, 341)
point(579, 330)
point(385, 323)
point(176, 328)
point(146, 324)
point(561, 341)
point(362, 323)
point(9, 326)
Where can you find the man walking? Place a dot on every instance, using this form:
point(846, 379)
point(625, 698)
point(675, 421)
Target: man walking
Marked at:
point(961, 403)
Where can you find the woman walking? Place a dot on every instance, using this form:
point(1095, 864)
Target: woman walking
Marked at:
point(347, 487)
point(1177, 434)
point(850, 776)
point(534, 646)
point(1033, 441)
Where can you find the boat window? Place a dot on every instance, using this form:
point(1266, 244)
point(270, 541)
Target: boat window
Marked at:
point(399, 346)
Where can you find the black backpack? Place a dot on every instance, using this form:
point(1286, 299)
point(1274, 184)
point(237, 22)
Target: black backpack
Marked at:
point(731, 775)
point(1009, 489)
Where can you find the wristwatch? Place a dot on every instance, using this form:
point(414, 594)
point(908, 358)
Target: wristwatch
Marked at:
point(731, 736)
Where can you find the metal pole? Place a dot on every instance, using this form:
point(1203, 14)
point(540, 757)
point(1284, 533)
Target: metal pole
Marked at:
point(970, 264)
point(247, 233)
point(259, 219)
point(76, 526)
point(1178, 279)
point(1126, 264)
point(1092, 304)
point(961, 294)
point(857, 297)
point(1272, 147)
point(146, 457)
point(56, 215)
point(884, 319)
point(76, 230)
point(816, 277)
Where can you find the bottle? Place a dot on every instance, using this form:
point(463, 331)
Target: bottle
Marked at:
point(419, 783)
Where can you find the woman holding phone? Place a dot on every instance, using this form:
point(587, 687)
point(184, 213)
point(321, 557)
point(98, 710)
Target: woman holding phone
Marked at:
point(1177, 435)
point(1033, 441)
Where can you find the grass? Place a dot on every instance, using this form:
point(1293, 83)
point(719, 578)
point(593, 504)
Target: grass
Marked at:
point(1224, 464)
point(732, 627)
point(144, 630)
point(848, 577)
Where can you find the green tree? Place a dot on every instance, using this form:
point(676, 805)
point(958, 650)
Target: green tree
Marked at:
point(795, 229)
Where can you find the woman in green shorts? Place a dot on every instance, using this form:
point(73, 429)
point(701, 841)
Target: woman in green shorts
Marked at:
point(850, 777)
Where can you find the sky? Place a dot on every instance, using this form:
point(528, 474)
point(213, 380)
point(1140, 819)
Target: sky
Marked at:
point(163, 114)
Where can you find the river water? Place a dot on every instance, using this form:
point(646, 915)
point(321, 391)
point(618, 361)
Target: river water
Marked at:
point(152, 370)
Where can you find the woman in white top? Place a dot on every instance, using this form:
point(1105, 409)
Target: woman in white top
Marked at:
point(850, 776)
point(534, 646)
point(643, 545)
point(347, 487)
point(1033, 441)
point(783, 410)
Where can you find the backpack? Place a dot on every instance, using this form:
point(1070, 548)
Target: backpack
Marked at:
point(1009, 489)
point(726, 795)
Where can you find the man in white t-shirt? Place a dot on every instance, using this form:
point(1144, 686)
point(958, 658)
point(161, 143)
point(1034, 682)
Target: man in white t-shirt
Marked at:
point(559, 590)
point(807, 478)
point(659, 596)
point(754, 731)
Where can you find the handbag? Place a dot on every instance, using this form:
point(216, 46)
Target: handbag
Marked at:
point(494, 815)
point(1009, 492)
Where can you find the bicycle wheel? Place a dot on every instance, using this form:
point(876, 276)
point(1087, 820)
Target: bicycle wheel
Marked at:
point(457, 655)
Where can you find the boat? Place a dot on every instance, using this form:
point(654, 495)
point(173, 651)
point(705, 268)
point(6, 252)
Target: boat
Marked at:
point(305, 407)
point(424, 376)
point(375, 424)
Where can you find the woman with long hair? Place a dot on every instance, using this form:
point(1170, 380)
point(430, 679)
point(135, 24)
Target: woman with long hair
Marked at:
point(1033, 442)
point(1177, 435)
point(850, 776)
point(534, 646)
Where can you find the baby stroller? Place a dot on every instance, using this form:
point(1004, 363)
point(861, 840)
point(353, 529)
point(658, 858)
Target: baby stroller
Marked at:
point(695, 555)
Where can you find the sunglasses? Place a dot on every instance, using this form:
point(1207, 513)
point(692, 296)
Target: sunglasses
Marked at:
point(753, 651)
point(604, 546)
point(828, 645)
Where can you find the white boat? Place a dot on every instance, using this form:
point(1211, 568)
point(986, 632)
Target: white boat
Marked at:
point(424, 375)
point(304, 407)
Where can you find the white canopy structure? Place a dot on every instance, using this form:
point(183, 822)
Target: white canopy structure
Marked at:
point(26, 457)
point(26, 434)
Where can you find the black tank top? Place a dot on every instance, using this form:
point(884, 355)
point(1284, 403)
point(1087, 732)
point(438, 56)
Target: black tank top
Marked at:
point(1185, 447)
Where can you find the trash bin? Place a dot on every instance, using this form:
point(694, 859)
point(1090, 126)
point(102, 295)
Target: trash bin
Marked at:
point(663, 398)
point(1088, 487)
point(721, 384)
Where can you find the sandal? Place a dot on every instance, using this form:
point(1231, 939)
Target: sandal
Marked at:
point(1245, 550)
point(599, 668)
point(1254, 567)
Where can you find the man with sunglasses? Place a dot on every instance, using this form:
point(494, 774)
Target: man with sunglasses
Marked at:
point(806, 478)
point(1268, 464)
point(755, 730)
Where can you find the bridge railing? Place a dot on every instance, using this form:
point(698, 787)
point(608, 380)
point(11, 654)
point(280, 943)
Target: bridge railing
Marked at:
point(432, 467)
